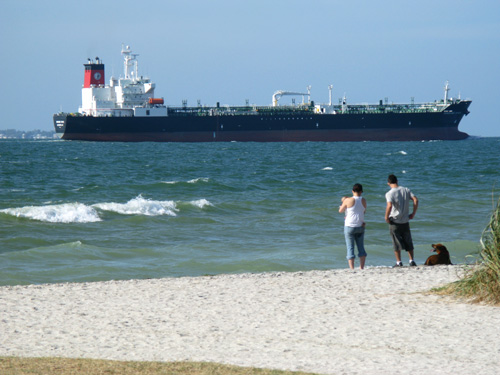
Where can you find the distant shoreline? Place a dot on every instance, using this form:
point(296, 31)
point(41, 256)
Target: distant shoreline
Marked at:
point(27, 134)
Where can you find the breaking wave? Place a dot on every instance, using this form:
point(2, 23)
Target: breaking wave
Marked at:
point(201, 203)
point(81, 213)
point(140, 206)
point(59, 213)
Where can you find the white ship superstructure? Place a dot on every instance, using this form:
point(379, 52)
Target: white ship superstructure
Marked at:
point(132, 95)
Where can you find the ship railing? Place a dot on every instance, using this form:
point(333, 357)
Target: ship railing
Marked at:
point(302, 109)
point(390, 108)
point(233, 111)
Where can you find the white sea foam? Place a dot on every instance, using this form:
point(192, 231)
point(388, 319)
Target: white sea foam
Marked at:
point(200, 179)
point(201, 203)
point(140, 206)
point(403, 153)
point(60, 213)
point(193, 181)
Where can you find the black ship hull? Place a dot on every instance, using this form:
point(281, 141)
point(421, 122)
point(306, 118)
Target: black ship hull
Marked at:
point(284, 127)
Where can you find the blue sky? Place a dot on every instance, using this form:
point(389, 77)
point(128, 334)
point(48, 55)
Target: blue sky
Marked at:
point(230, 51)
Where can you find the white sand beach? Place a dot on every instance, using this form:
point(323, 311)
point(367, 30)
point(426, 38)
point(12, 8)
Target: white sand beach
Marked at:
point(375, 321)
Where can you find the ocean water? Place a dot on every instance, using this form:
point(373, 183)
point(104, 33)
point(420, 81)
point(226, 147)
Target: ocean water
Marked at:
point(84, 211)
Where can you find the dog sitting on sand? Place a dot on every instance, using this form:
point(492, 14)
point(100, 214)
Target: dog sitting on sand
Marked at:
point(442, 256)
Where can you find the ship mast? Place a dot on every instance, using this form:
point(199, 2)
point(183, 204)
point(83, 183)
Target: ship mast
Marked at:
point(130, 63)
point(446, 89)
point(344, 104)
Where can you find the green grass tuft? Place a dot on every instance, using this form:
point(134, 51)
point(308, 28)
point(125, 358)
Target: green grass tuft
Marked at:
point(482, 282)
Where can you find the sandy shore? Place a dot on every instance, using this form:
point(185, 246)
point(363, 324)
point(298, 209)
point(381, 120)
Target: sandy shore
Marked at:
point(374, 321)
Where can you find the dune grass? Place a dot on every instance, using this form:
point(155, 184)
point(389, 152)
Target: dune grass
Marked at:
point(481, 283)
point(68, 366)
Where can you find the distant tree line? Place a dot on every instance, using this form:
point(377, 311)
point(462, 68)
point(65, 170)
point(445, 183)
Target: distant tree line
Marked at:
point(27, 134)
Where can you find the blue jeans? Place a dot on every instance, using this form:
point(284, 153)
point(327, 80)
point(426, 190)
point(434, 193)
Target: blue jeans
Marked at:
point(355, 235)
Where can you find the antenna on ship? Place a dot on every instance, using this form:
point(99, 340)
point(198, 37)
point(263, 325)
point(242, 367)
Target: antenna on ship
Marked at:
point(446, 89)
point(136, 66)
point(330, 87)
point(130, 62)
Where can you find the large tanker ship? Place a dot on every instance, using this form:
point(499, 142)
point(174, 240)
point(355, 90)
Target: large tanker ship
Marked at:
point(127, 110)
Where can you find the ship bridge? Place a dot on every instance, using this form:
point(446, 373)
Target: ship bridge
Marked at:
point(122, 95)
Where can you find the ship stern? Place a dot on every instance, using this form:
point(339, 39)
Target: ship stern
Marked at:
point(60, 123)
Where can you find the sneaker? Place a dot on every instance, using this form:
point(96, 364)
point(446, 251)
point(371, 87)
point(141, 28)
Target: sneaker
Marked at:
point(412, 263)
point(398, 264)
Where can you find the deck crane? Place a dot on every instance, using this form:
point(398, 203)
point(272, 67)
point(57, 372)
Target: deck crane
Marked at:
point(278, 94)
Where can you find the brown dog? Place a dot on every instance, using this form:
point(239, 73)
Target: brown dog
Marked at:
point(442, 256)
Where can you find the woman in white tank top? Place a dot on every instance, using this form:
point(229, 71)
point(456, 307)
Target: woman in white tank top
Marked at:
point(354, 227)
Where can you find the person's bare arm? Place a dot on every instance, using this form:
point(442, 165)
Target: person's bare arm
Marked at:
point(415, 206)
point(346, 202)
point(388, 212)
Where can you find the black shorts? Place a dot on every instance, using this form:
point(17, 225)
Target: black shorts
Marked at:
point(401, 236)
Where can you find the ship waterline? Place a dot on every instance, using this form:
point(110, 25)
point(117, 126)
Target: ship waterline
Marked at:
point(346, 135)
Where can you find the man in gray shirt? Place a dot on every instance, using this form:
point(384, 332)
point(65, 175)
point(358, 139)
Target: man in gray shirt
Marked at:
point(397, 215)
